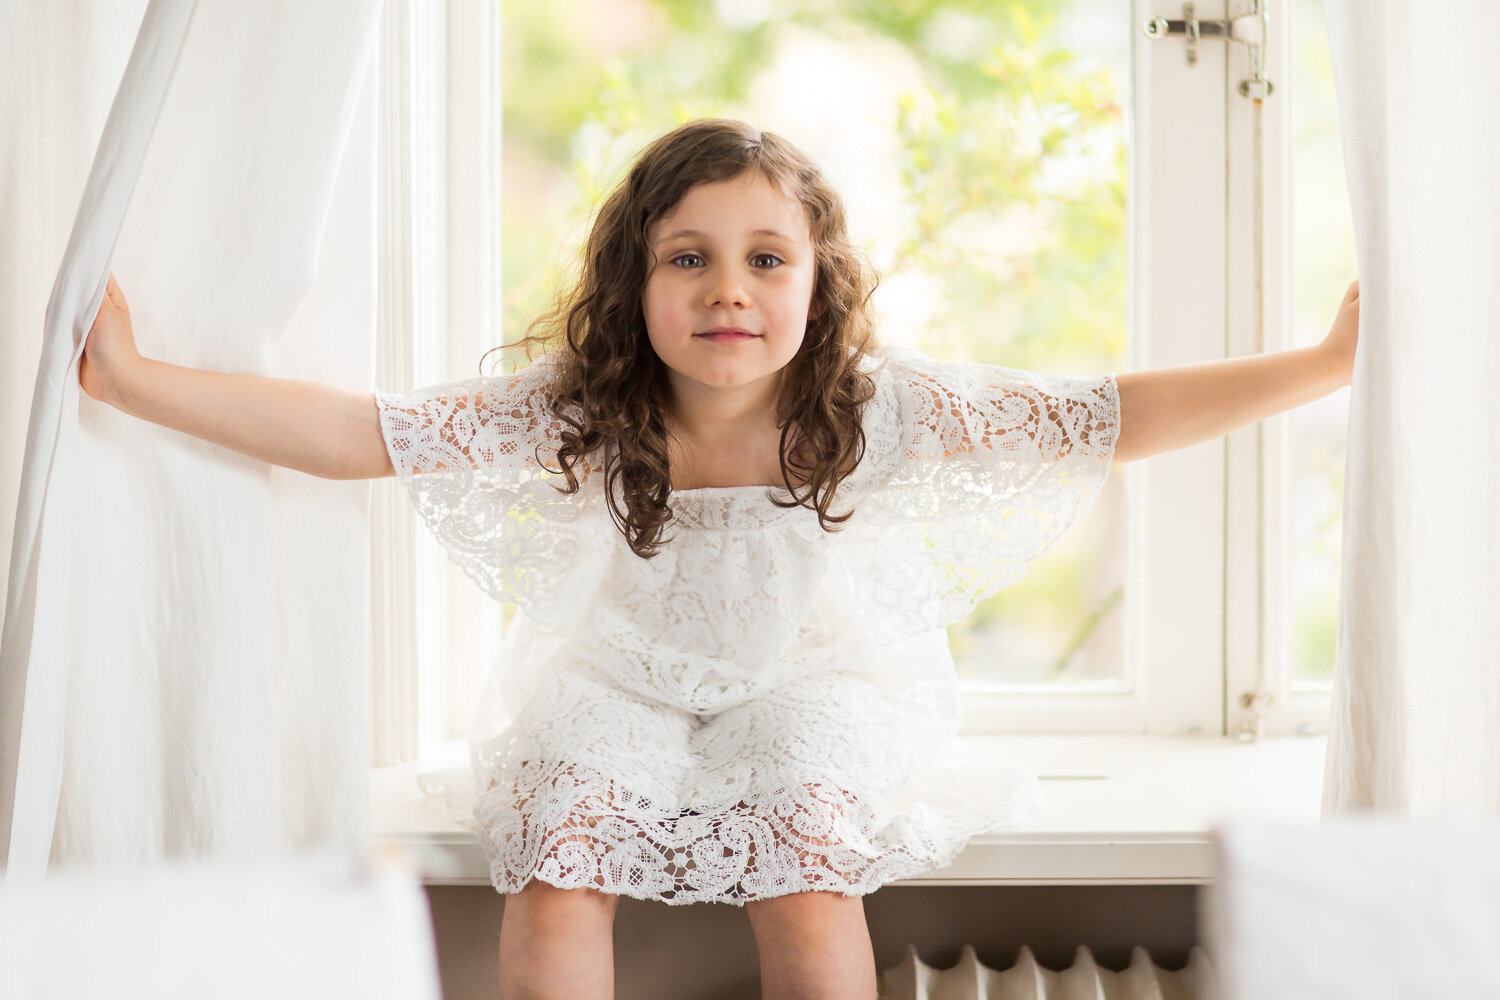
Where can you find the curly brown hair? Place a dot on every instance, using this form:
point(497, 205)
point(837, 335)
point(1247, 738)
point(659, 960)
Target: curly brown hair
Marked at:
point(612, 389)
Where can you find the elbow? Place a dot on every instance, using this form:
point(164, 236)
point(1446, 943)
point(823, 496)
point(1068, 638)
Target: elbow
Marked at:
point(363, 467)
point(361, 460)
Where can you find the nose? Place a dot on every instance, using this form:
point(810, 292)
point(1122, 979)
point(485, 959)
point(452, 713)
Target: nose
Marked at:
point(727, 289)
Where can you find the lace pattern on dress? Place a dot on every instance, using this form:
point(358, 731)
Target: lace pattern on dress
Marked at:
point(764, 707)
point(994, 465)
point(785, 794)
point(469, 454)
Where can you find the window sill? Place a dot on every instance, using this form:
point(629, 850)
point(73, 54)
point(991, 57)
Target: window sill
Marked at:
point(1125, 810)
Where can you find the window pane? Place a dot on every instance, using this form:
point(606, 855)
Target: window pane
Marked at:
point(1323, 264)
point(980, 150)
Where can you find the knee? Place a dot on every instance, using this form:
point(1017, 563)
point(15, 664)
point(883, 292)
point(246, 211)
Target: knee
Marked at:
point(556, 943)
point(803, 914)
point(565, 906)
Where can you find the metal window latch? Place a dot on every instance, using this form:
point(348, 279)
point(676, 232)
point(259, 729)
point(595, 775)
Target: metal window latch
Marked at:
point(1258, 702)
point(1249, 29)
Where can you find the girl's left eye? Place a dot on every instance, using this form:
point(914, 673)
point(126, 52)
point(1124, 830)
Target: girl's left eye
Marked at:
point(767, 256)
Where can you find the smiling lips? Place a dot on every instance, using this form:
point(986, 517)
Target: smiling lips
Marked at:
point(726, 334)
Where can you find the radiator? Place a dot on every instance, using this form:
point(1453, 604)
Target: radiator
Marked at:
point(914, 979)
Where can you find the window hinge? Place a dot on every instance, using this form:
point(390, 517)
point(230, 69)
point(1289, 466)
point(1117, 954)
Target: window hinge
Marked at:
point(1257, 702)
point(1249, 29)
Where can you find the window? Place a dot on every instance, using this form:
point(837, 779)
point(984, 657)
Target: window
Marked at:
point(1323, 258)
point(1038, 184)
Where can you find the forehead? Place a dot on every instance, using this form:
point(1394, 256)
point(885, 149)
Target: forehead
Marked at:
point(736, 207)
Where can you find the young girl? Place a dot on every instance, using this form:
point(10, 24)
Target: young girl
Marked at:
point(735, 527)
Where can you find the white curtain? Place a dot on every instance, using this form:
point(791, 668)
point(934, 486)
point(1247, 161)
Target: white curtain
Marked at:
point(1416, 707)
point(1371, 906)
point(307, 928)
point(183, 657)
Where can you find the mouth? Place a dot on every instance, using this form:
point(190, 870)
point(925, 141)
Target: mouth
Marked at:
point(726, 333)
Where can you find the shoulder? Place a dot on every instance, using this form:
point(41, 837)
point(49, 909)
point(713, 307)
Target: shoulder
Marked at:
point(900, 367)
point(905, 380)
point(529, 392)
point(925, 379)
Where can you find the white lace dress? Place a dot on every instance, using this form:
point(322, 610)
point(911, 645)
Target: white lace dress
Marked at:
point(764, 707)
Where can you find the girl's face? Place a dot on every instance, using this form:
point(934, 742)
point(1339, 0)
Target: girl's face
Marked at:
point(733, 254)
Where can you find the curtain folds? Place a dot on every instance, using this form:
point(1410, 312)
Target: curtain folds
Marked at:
point(1416, 701)
point(183, 656)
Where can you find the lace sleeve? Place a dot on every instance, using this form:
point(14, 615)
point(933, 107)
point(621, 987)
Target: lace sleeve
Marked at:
point(470, 456)
point(992, 466)
point(1027, 422)
point(484, 425)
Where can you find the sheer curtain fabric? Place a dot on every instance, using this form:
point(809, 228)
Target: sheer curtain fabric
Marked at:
point(1416, 699)
point(183, 658)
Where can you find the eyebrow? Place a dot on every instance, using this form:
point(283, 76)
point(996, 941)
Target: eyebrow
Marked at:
point(756, 232)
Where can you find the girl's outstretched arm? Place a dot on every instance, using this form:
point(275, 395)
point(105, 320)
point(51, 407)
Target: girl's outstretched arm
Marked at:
point(1169, 408)
point(323, 430)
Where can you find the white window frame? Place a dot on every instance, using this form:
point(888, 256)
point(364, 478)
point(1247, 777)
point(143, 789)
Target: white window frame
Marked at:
point(1258, 613)
point(1206, 592)
point(440, 308)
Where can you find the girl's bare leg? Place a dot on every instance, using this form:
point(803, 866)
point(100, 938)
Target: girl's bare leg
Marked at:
point(557, 944)
point(813, 946)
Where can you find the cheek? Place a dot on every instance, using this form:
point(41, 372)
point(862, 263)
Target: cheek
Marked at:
point(655, 306)
point(664, 320)
point(804, 296)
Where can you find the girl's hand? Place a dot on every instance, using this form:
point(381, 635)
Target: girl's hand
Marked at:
point(110, 347)
point(1338, 347)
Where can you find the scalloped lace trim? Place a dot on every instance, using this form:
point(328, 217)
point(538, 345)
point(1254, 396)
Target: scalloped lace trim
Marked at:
point(574, 827)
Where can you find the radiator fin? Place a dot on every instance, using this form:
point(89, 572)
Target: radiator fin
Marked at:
point(1027, 979)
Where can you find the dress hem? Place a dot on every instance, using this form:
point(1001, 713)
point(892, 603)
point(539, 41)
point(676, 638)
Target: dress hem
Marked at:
point(681, 899)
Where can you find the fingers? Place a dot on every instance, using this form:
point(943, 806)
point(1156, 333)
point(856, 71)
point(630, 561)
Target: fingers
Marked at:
point(112, 291)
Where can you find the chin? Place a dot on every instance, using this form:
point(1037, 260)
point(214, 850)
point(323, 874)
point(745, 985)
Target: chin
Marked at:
point(727, 377)
point(748, 363)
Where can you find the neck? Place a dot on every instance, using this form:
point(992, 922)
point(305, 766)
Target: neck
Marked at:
point(705, 413)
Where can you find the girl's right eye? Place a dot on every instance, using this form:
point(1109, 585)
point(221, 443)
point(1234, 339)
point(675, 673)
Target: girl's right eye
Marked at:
point(684, 256)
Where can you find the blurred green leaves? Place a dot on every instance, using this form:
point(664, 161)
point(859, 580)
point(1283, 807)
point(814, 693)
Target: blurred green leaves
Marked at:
point(1012, 152)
